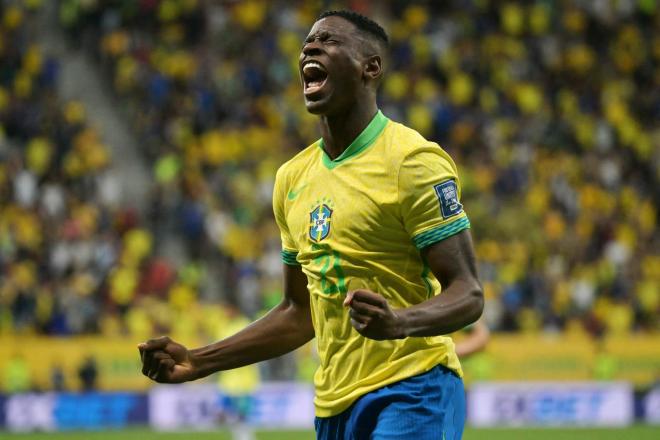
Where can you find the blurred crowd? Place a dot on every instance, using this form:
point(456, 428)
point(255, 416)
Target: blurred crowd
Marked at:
point(59, 234)
point(550, 109)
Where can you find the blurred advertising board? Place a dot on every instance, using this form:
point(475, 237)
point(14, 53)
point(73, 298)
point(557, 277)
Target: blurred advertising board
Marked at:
point(186, 406)
point(274, 405)
point(290, 405)
point(166, 407)
point(651, 406)
point(551, 404)
point(68, 411)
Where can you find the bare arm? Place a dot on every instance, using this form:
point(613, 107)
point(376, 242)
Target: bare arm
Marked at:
point(475, 342)
point(285, 328)
point(460, 303)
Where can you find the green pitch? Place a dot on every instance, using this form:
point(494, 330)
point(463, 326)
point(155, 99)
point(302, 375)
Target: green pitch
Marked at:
point(634, 432)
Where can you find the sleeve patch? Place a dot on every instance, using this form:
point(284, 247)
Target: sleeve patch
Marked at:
point(448, 196)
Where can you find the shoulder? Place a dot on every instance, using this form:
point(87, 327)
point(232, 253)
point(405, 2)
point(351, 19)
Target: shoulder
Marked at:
point(293, 167)
point(406, 138)
point(408, 145)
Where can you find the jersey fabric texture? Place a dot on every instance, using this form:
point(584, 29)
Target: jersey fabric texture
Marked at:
point(430, 406)
point(359, 222)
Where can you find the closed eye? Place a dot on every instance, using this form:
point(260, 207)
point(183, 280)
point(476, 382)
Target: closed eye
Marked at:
point(323, 37)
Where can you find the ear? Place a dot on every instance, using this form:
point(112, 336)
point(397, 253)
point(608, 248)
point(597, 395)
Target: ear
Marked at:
point(373, 68)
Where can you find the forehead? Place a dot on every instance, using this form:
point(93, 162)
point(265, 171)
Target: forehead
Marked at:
point(333, 24)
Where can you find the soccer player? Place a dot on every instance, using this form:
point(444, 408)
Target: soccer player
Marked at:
point(371, 225)
point(476, 339)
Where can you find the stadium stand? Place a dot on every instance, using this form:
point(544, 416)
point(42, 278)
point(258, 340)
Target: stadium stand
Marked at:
point(58, 224)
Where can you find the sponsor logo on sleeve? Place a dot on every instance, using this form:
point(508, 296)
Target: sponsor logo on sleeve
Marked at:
point(447, 193)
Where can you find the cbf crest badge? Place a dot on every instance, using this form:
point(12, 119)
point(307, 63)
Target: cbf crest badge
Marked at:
point(319, 222)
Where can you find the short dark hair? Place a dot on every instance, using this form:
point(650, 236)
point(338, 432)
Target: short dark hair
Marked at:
point(363, 23)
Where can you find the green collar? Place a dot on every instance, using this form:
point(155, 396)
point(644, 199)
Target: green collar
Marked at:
point(364, 140)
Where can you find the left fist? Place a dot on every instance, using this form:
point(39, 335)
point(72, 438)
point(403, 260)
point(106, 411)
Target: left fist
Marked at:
point(372, 316)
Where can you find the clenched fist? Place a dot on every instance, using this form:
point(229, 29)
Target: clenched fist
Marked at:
point(166, 361)
point(372, 316)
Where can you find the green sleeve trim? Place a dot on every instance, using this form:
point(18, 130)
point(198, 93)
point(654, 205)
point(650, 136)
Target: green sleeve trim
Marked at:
point(289, 258)
point(435, 235)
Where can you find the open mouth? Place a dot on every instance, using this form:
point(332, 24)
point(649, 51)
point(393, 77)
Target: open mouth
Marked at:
point(314, 77)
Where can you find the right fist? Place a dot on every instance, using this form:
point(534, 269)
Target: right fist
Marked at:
point(166, 361)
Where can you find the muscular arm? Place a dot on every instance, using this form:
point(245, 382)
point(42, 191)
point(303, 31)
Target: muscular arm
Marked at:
point(285, 328)
point(460, 303)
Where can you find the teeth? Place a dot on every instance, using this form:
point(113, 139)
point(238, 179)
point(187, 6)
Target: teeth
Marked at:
point(312, 64)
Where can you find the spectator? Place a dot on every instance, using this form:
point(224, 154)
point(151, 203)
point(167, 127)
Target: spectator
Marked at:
point(88, 374)
point(17, 377)
point(57, 377)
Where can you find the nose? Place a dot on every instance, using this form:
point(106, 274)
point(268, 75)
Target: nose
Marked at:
point(312, 48)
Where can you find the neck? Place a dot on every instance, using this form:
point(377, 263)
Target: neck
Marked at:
point(340, 130)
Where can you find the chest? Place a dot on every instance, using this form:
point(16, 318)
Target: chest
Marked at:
point(351, 207)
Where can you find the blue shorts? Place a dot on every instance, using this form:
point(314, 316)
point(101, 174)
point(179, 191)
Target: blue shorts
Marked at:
point(424, 407)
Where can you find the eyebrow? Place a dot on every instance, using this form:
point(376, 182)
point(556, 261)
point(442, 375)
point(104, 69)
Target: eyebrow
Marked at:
point(321, 35)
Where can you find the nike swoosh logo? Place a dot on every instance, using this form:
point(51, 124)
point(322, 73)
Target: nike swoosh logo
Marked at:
point(295, 192)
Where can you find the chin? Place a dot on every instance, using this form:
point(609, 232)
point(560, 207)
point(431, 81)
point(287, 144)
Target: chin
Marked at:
point(319, 107)
point(316, 108)
point(322, 103)
point(326, 106)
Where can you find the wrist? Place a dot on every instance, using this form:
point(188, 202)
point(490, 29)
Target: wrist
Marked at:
point(196, 360)
point(401, 330)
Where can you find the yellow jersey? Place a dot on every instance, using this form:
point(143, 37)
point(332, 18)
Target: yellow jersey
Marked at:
point(360, 221)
